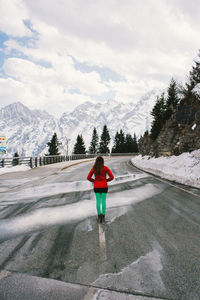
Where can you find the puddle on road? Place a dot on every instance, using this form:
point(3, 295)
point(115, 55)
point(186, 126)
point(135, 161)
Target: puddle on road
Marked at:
point(46, 217)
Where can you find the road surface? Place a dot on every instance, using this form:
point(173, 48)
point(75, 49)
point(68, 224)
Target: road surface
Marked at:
point(53, 248)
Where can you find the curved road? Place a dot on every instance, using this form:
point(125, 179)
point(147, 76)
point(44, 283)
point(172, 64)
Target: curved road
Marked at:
point(149, 247)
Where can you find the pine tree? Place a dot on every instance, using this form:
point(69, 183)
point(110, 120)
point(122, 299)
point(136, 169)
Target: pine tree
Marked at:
point(122, 141)
point(135, 144)
point(194, 79)
point(119, 142)
point(53, 145)
point(105, 140)
point(115, 148)
point(172, 99)
point(131, 145)
point(79, 147)
point(158, 113)
point(94, 142)
point(128, 143)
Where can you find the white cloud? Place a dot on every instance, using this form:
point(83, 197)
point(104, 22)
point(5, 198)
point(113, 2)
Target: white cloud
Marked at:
point(124, 90)
point(9, 90)
point(36, 85)
point(13, 15)
point(144, 42)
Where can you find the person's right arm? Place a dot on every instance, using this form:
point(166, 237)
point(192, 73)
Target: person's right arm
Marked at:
point(89, 177)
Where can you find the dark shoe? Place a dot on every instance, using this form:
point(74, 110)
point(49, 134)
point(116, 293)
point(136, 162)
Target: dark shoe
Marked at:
point(99, 218)
point(102, 218)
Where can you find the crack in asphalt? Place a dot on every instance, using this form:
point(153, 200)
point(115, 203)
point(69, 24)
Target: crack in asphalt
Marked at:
point(135, 293)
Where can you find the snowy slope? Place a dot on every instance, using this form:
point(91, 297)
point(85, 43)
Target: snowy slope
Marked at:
point(184, 168)
point(28, 131)
point(129, 117)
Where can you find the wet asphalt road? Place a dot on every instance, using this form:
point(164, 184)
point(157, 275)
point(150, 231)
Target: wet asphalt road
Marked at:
point(148, 247)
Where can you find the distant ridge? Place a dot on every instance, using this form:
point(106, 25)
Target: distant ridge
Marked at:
point(28, 131)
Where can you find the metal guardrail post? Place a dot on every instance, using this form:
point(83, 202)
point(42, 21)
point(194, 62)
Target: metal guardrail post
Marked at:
point(31, 162)
point(3, 163)
point(36, 162)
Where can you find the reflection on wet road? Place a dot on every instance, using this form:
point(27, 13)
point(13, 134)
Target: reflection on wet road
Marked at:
point(149, 244)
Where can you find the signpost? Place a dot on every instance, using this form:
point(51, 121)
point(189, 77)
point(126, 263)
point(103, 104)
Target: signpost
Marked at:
point(2, 144)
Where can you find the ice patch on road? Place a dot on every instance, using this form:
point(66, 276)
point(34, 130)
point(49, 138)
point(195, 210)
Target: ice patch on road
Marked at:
point(128, 177)
point(142, 275)
point(86, 225)
point(18, 168)
point(7, 184)
point(47, 190)
point(45, 217)
point(115, 213)
point(39, 191)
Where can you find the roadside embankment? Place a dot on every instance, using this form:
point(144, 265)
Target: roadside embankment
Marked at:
point(184, 169)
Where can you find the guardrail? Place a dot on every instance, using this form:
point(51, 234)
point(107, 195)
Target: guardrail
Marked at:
point(35, 161)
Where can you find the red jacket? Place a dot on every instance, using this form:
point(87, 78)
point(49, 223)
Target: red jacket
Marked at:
point(100, 180)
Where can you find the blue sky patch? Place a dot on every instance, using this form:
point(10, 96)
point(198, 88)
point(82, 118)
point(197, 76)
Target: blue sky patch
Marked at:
point(28, 24)
point(3, 37)
point(45, 64)
point(74, 91)
point(104, 72)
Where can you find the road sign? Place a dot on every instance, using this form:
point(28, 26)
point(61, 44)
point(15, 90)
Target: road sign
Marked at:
point(2, 144)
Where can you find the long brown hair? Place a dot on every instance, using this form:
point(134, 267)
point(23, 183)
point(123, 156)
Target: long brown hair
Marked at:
point(98, 165)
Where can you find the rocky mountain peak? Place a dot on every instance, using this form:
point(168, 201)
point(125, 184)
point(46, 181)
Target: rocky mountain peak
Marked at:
point(28, 131)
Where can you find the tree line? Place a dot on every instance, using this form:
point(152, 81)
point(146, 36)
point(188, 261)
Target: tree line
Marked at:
point(163, 108)
point(168, 103)
point(123, 143)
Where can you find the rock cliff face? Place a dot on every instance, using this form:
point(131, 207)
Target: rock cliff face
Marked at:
point(181, 133)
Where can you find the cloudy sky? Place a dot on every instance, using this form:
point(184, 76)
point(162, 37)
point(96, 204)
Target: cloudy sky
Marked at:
point(56, 54)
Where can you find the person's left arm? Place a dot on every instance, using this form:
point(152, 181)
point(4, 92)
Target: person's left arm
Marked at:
point(110, 174)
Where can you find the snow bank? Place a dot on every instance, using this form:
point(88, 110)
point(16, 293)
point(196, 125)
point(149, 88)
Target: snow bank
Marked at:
point(184, 168)
point(18, 168)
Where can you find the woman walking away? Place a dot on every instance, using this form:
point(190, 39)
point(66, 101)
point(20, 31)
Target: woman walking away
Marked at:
point(100, 185)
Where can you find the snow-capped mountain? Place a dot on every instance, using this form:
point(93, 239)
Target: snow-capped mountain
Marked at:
point(28, 131)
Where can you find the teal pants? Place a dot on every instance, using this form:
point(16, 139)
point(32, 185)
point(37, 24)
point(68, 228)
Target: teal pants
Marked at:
point(101, 201)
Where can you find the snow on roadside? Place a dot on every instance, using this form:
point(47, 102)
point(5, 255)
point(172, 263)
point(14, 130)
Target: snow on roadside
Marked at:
point(184, 168)
point(18, 168)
